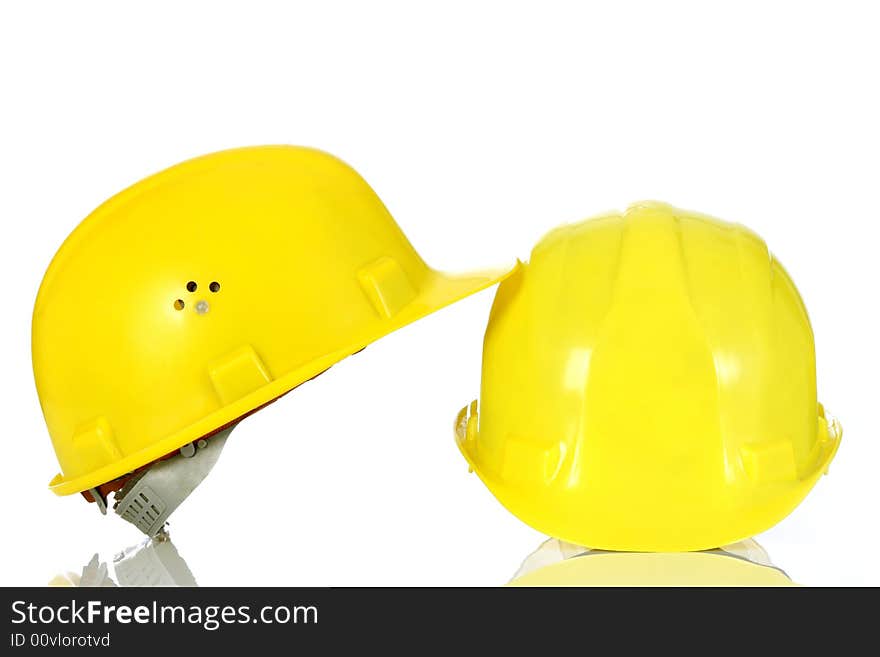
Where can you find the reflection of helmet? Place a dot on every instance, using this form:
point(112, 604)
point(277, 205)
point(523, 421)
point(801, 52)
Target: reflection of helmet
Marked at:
point(154, 561)
point(202, 293)
point(649, 384)
point(743, 564)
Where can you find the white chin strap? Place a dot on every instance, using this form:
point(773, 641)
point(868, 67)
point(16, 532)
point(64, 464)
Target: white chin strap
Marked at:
point(149, 498)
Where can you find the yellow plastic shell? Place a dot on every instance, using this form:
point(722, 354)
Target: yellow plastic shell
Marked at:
point(649, 384)
point(655, 569)
point(206, 291)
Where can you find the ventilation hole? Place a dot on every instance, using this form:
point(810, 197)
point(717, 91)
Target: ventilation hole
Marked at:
point(214, 286)
point(192, 286)
point(178, 305)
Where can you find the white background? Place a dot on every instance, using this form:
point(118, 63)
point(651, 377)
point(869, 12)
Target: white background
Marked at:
point(481, 125)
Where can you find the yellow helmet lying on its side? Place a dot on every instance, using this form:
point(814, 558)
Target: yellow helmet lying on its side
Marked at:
point(649, 384)
point(199, 295)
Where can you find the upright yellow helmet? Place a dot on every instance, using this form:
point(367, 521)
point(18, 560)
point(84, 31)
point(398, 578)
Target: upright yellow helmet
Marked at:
point(199, 295)
point(649, 384)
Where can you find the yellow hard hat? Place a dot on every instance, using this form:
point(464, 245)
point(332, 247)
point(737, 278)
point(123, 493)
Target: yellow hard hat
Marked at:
point(206, 291)
point(649, 384)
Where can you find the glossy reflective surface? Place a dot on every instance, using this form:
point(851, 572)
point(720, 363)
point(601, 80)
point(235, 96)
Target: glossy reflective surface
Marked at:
point(157, 562)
